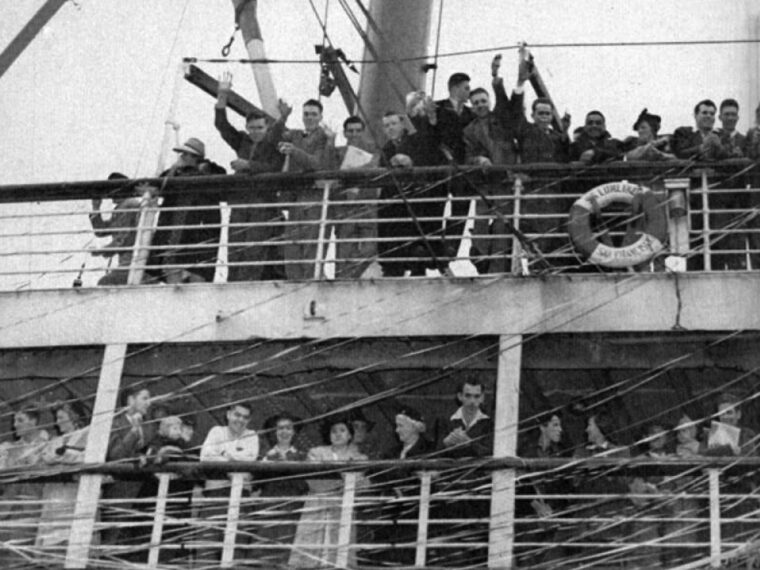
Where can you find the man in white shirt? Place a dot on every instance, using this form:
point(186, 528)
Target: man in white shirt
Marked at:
point(233, 442)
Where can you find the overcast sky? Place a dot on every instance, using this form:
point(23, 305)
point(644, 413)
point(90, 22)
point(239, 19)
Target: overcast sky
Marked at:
point(92, 93)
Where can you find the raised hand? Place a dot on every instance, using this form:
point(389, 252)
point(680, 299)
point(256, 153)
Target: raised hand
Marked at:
point(284, 109)
point(495, 65)
point(524, 70)
point(225, 82)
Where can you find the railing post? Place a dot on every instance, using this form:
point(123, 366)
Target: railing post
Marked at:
point(159, 519)
point(706, 223)
point(346, 519)
point(233, 519)
point(83, 521)
point(420, 556)
point(678, 221)
point(517, 252)
point(319, 262)
point(713, 476)
point(146, 227)
point(501, 531)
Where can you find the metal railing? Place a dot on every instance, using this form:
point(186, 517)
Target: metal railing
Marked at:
point(353, 224)
point(425, 513)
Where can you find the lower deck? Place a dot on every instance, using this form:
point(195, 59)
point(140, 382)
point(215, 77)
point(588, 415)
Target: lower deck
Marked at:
point(626, 509)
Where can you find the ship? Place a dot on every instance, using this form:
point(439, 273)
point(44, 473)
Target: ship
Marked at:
point(637, 317)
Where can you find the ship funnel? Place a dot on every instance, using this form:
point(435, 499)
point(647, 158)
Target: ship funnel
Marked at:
point(396, 31)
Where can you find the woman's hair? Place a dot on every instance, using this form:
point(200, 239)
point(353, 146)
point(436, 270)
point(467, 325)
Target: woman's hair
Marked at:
point(29, 411)
point(270, 426)
point(74, 410)
point(328, 424)
point(604, 423)
point(654, 121)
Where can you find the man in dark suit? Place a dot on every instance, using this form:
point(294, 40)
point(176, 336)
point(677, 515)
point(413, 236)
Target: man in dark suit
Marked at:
point(256, 150)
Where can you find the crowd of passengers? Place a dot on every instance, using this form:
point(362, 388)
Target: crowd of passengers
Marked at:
point(269, 241)
point(646, 510)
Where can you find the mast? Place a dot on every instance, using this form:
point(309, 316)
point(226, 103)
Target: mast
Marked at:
point(247, 20)
point(28, 33)
point(396, 30)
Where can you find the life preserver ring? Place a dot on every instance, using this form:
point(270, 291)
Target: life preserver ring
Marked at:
point(646, 234)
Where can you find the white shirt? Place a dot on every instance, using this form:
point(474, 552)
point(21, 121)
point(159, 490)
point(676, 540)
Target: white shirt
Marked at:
point(222, 445)
point(459, 415)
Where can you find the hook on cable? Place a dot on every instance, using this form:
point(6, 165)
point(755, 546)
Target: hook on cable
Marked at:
point(226, 48)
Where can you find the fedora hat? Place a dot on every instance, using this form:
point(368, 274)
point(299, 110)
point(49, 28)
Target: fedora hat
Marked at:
point(192, 146)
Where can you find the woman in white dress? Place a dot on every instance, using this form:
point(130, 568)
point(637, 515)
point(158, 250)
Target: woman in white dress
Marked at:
point(316, 541)
point(59, 497)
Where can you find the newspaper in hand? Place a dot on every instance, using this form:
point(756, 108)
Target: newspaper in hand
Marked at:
point(723, 434)
point(356, 158)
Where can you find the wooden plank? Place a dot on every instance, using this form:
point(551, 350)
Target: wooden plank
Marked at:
point(501, 528)
point(88, 494)
point(27, 34)
point(208, 84)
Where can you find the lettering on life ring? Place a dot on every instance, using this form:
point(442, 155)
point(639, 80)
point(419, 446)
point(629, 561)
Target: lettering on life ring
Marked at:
point(646, 233)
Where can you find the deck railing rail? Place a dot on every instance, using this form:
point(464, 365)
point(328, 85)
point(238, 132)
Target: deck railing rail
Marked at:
point(416, 512)
point(371, 223)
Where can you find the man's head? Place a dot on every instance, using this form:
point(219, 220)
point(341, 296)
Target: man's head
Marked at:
point(393, 126)
point(481, 103)
point(191, 152)
point(729, 114)
point(704, 115)
point(362, 426)
point(728, 409)
point(312, 114)
point(353, 130)
point(256, 125)
point(471, 394)
point(459, 87)
point(238, 416)
point(543, 112)
point(136, 399)
point(595, 126)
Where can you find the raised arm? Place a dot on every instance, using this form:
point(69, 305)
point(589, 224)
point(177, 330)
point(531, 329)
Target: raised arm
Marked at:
point(229, 133)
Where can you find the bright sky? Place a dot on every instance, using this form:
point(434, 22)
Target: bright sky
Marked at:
point(92, 93)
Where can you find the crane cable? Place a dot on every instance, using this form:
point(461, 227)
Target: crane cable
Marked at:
point(437, 46)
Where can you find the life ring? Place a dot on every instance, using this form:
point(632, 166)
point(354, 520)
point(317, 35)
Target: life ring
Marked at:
point(646, 233)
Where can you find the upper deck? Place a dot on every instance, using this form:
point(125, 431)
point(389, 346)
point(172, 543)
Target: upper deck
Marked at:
point(544, 330)
point(536, 282)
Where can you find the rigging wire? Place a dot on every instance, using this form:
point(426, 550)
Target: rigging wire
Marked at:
point(437, 49)
point(459, 53)
point(167, 65)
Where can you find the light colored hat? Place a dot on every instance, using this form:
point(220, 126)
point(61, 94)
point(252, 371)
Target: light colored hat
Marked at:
point(193, 146)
